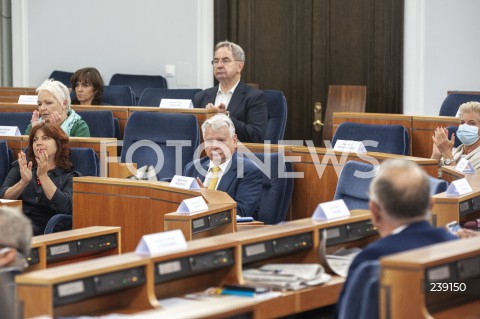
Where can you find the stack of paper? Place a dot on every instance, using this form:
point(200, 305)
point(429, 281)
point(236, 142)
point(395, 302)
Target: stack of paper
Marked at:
point(286, 276)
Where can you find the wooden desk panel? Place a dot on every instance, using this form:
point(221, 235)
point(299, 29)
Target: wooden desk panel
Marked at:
point(136, 206)
point(36, 289)
point(50, 240)
point(422, 132)
point(402, 276)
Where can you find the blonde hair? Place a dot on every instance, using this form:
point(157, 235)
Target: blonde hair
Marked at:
point(470, 107)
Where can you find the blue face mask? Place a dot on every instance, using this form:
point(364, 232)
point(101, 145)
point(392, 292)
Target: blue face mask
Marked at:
point(467, 134)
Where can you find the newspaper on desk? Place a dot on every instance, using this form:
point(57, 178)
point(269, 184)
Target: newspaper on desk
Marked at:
point(340, 261)
point(286, 276)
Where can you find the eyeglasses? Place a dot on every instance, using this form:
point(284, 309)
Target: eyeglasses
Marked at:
point(224, 61)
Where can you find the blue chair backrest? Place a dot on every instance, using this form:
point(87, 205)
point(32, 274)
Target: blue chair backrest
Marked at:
point(153, 96)
point(85, 161)
point(391, 139)
point(62, 76)
point(437, 185)
point(20, 119)
point(353, 184)
point(5, 161)
point(118, 95)
point(451, 130)
point(276, 190)
point(277, 115)
point(153, 130)
point(360, 299)
point(138, 83)
point(453, 101)
point(100, 123)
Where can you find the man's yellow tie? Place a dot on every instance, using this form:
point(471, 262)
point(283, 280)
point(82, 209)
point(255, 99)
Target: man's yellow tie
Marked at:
point(214, 178)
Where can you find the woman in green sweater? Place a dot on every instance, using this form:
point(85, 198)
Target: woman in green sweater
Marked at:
point(54, 108)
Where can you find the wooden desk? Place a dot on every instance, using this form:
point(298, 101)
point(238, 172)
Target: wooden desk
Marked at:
point(217, 220)
point(420, 128)
point(320, 168)
point(455, 208)
point(78, 289)
point(138, 207)
point(406, 278)
point(73, 246)
point(207, 262)
point(11, 94)
point(122, 113)
point(11, 203)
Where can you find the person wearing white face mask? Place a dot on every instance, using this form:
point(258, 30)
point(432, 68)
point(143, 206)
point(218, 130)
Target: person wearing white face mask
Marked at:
point(467, 133)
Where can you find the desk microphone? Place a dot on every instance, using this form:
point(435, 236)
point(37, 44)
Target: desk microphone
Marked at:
point(472, 224)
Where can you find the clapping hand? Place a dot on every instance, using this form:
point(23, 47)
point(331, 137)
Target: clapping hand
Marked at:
point(25, 168)
point(42, 163)
point(442, 146)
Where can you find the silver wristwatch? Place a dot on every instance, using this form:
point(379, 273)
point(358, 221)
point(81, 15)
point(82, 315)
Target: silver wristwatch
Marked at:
point(448, 161)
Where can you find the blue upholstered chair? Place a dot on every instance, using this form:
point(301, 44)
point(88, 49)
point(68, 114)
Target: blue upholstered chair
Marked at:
point(20, 119)
point(276, 190)
point(353, 184)
point(138, 83)
point(453, 101)
point(391, 139)
point(5, 161)
point(86, 162)
point(451, 130)
point(146, 135)
point(100, 123)
point(361, 297)
point(62, 76)
point(277, 115)
point(121, 95)
point(153, 96)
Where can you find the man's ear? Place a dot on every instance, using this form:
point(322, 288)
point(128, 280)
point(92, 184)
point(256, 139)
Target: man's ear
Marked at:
point(8, 257)
point(376, 212)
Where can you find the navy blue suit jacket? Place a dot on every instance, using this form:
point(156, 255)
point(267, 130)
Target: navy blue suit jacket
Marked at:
point(248, 111)
point(246, 190)
point(416, 235)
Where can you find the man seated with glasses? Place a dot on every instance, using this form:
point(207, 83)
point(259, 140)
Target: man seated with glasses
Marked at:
point(246, 106)
point(15, 238)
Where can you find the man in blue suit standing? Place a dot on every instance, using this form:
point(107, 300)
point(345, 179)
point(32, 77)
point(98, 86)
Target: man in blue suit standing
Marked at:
point(400, 202)
point(224, 170)
point(245, 105)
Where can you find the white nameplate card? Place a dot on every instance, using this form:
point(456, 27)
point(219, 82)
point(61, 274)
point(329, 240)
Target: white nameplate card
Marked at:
point(331, 210)
point(459, 187)
point(9, 131)
point(192, 205)
point(349, 146)
point(464, 166)
point(176, 104)
point(28, 99)
point(161, 243)
point(184, 182)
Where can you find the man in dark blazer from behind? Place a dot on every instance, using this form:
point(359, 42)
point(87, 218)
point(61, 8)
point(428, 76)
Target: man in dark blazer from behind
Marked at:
point(245, 105)
point(400, 203)
point(236, 175)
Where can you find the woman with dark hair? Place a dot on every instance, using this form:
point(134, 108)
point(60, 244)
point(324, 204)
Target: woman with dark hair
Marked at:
point(88, 86)
point(43, 178)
